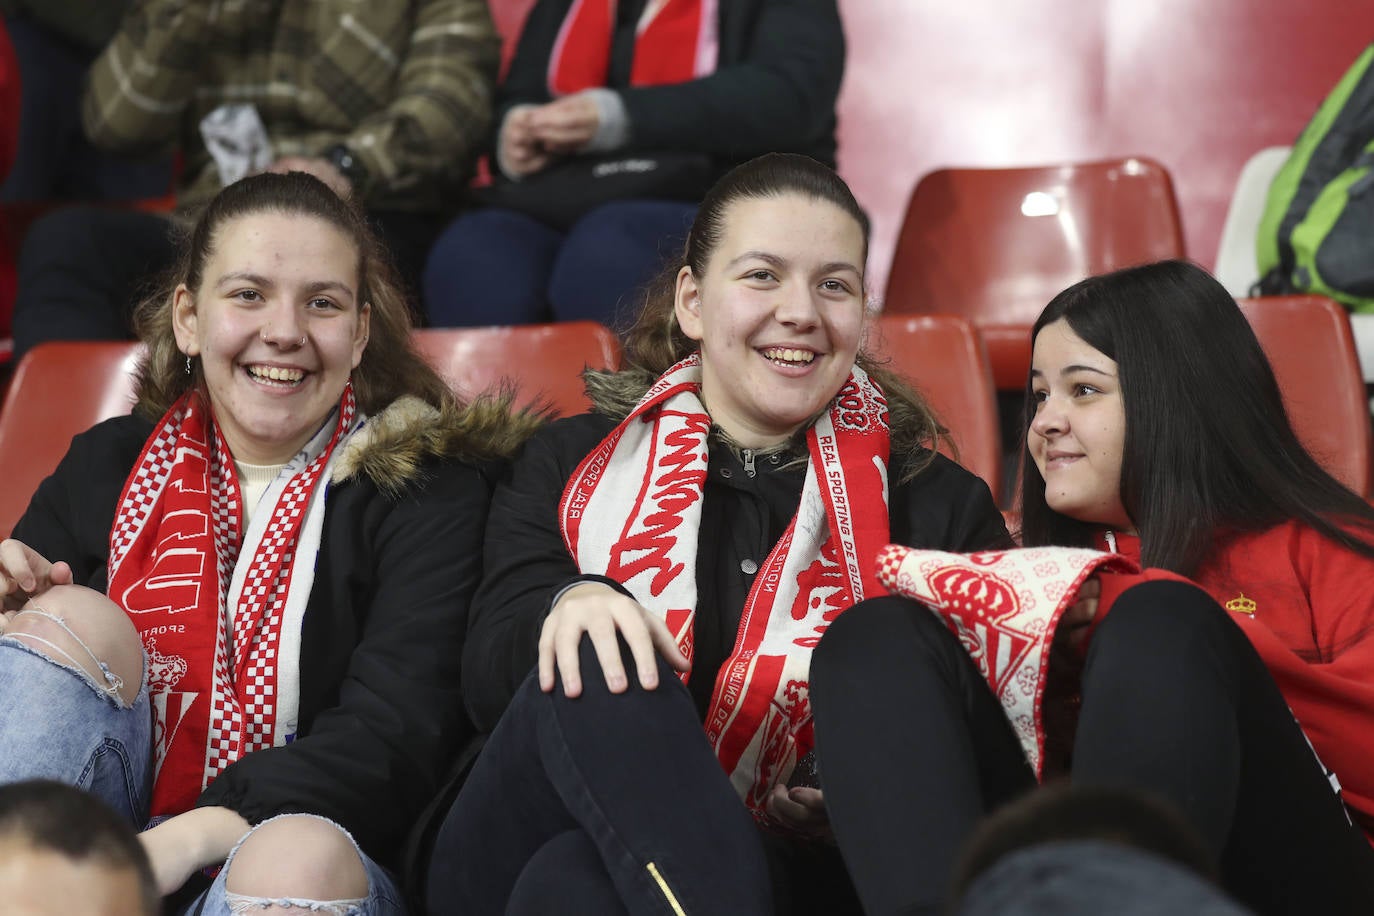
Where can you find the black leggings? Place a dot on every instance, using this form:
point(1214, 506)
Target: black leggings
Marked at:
point(914, 749)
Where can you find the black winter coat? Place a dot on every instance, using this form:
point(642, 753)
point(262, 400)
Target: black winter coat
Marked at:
point(381, 714)
point(777, 77)
point(944, 507)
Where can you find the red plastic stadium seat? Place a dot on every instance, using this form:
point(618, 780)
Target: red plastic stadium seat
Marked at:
point(995, 245)
point(59, 389)
point(1310, 345)
point(944, 357)
point(544, 360)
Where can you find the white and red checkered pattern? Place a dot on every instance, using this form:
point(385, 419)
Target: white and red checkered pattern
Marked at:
point(257, 623)
point(142, 491)
point(157, 565)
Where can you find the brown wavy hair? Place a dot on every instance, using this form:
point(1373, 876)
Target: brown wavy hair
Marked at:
point(390, 368)
point(655, 342)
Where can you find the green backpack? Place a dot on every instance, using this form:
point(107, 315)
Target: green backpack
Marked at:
point(1317, 231)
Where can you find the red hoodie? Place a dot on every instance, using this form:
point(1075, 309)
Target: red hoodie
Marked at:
point(1307, 606)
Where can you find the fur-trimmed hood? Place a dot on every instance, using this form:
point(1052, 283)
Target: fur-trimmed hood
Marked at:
point(392, 445)
point(615, 393)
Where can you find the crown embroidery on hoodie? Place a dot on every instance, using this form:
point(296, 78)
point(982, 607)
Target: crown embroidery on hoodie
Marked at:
point(1241, 605)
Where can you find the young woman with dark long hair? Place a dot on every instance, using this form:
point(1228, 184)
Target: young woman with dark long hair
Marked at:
point(1155, 430)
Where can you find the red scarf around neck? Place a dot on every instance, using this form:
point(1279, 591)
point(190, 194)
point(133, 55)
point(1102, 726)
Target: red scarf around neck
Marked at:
point(675, 41)
point(174, 547)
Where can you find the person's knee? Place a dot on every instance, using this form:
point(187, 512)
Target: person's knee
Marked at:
point(65, 235)
point(596, 705)
point(871, 628)
point(1157, 617)
point(77, 626)
point(489, 267)
point(611, 254)
point(80, 272)
point(606, 223)
point(589, 664)
point(297, 857)
point(659, 224)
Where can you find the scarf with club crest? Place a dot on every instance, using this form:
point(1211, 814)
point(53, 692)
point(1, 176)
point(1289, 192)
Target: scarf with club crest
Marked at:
point(218, 609)
point(1004, 606)
point(632, 509)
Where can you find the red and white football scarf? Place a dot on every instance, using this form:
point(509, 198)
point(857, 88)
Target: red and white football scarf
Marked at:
point(675, 41)
point(218, 612)
point(632, 511)
point(1004, 606)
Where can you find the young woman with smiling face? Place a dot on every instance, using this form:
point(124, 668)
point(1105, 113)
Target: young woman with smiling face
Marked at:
point(658, 571)
point(289, 529)
point(1076, 437)
point(277, 326)
point(1155, 430)
point(784, 329)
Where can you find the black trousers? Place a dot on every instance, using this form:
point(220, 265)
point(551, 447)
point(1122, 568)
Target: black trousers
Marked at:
point(53, 159)
point(572, 801)
point(83, 269)
point(914, 749)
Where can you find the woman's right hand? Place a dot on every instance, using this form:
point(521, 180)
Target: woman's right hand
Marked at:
point(601, 612)
point(24, 572)
point(186, 842)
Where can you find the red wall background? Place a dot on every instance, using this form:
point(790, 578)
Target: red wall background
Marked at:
point(1198, 85)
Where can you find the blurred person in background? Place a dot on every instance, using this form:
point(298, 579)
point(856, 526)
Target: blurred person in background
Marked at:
point(387, 103)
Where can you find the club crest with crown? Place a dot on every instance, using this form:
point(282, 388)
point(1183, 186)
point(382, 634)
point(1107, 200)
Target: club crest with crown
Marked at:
point(1242, 605)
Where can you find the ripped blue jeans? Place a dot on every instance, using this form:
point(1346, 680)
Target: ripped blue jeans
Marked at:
point(56, 722)
point(383, 896)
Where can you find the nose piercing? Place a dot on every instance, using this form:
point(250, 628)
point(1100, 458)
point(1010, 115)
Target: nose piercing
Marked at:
point(262, 335)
